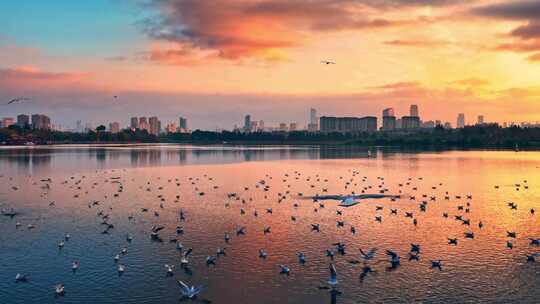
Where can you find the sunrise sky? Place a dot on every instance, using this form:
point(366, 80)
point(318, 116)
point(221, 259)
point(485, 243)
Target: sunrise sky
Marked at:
point(216, 60)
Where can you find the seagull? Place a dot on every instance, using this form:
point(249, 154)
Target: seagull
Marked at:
point(155, 232)
point(436, 264)
point(210, 260)
point(121, 268)
point(301, 258)
point(333, 276)
point(327, 62)
point(262, 254)
point(75, 265)
point(284, 269)
point(532, 257)
point(59, 289)
point(184, 261)
point(170, 269)
point(369, 255)
point(21, 278)
point(189, 292)
point(18, 99)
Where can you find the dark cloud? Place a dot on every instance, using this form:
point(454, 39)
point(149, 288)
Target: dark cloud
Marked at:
point(526, 37)
point(236, 29)
point(515, 10)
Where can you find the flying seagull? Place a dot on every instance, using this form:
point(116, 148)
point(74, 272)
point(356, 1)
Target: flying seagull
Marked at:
point(327, 62)
point(18, 99)
point(189, 292)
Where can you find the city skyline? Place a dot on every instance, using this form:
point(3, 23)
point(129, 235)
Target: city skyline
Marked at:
point(441, 56)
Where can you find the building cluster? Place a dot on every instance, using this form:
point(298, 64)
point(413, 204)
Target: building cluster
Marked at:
point(36, 122)
point(153, 125)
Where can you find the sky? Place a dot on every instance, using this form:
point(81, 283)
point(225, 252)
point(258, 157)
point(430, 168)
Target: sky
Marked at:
point(213, 61)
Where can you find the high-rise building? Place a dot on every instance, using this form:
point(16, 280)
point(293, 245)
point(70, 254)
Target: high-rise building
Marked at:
point(247, 123)
point(79, 126)
point(23, 121)
point(283, 127)
point(134, 125)
point(261, 126)
point(388, 112)
point(155, 125)
point(182, 124)
point(460, 120)
point(480, 119)
point(114, 127)
point(410, 122)
point(313, 125)
point(348, 124)
point(143, 123)
point(41, 122)
point(389, 119)
point(414, 111)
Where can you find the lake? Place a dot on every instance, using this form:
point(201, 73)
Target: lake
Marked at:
point(80, 189)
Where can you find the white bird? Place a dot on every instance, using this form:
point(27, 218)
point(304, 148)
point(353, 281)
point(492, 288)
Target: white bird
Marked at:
point(179, 245)
point(20, 278)
point(169, 268)
point(262, 254)
point(184, 261)
point(59, 289)
point(189, 292)
point(284, 269)
point(61, 244)
point(75, 265)
point(116, 258)
point(121, 268)
point(333, 276)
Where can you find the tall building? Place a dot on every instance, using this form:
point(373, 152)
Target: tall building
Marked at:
point(410, 122)
point(313, 125)
point(348, 124)
point(480, 119)
point(283, 127)
point(389, 119)
point(313, 116)
point(171, 128)
point(388, 112)
point(261, 126)
point(23, 121)
point(143, 123)
point(414, 111)
point(114, 127)
point(182, 124)
point(460, 120)
point(155, 125)
point(79, 126)
point(247, 123)
point(41, 122)
point(134, 125)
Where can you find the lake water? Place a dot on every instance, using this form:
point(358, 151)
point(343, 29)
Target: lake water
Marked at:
point(482, 269)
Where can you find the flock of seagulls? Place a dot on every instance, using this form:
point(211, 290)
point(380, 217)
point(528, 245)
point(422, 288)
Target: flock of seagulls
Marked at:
point(367, 258)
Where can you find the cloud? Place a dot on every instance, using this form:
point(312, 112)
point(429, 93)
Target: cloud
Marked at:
point(471, 82)
point(417, 43)
point(526, 36)
point(397, 86)
point(535, 57)
point(237, 29)
point(26, 73)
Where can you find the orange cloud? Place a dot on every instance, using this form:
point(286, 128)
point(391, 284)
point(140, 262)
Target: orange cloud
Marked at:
point(236, 29)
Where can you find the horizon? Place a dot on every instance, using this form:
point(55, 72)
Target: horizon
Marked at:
point(215, 61)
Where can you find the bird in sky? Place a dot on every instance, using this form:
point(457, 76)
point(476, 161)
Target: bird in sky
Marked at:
point(18, 99)
point(327, 62)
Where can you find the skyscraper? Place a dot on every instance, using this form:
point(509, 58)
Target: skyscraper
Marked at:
point(134, 123)
point(460, 120)
point(155, 125)
point(182, 124)
point(41, 122)
point(389, 119)
point(313, 125)
point(247, 123)
point(143, 123)
point(23, 121)
point(414, 111)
